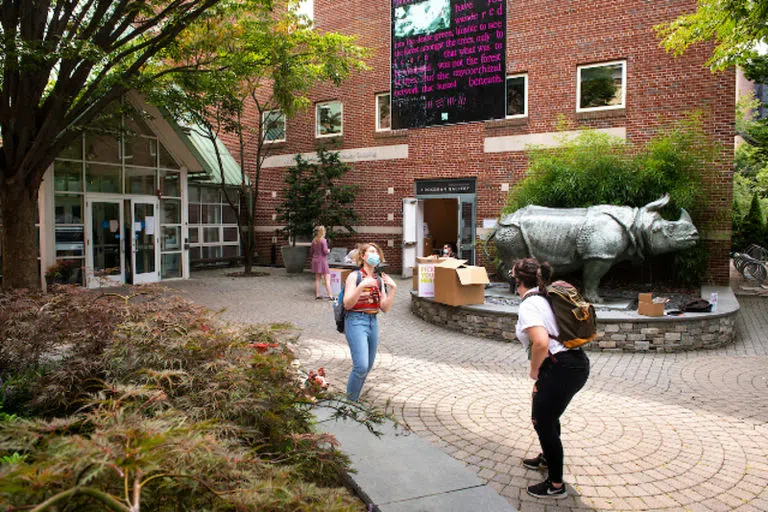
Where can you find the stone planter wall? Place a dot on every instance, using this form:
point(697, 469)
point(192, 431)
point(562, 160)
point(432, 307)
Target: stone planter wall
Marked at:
point(626, 332)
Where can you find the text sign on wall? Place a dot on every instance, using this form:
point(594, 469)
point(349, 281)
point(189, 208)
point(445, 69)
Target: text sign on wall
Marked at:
point(448, 61)
point(434, 187)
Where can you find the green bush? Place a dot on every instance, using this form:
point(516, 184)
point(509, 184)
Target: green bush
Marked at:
point(597, 168)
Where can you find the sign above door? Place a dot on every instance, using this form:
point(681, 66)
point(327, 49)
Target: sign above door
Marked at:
point(444, 186)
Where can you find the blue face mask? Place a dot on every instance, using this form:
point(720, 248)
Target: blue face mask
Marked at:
point(373, 260)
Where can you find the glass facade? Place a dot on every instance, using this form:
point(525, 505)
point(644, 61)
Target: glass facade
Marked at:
point(213, 231)
point(132, 162)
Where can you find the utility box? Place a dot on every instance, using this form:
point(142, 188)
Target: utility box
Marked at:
point(459, 284)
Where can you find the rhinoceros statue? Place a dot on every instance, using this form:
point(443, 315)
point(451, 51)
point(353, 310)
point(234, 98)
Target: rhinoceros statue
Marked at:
point(592, 239)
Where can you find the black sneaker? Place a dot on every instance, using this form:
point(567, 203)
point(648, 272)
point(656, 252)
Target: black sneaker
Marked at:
point(546, 490)
point(538, 462)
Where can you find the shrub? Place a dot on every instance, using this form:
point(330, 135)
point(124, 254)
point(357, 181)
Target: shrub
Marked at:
point(164, 406)
point(597, 168)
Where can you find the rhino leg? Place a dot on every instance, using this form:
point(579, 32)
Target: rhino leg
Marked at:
point(594, 270)
point(510, 247)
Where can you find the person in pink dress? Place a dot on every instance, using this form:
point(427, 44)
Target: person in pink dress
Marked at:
point(319, 252)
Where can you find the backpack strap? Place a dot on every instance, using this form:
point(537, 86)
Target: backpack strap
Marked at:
point(546, 296)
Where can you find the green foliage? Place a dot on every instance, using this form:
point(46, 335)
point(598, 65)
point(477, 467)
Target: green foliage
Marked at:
point(169, 408)
point(596, 168)
point(314, 195)
point(751, 229)
point(737, 27)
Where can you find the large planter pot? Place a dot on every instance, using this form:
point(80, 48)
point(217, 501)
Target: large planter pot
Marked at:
point(294, 257)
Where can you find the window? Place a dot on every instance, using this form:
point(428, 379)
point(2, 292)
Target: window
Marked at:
point(517, 96)
point(328, 119)
point(213, 231)
point(601, 86)
point(273, 124)
point(383, 119)
point(307, 8)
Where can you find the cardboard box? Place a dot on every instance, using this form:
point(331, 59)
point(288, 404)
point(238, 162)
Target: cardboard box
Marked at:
point(426, 279)
point(648, 306)
point(338, 276)
point(459, 284)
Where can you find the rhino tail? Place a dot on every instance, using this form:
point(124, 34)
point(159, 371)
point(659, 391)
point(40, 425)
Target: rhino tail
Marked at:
point(485, 242)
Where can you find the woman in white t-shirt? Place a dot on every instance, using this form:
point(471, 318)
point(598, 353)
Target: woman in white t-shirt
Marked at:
point(559, 372)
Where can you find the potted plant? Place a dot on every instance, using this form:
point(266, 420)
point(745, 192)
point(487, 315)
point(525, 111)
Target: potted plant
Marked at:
point(313, 195)
point(64, 272)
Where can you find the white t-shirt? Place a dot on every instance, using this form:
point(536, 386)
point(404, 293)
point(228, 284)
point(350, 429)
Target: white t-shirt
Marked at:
point(536, 312)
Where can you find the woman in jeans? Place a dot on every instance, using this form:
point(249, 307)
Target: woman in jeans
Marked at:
point(363, 302)
point(559, 373)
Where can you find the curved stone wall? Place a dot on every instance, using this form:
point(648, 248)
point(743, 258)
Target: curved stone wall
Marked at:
point(617, 331)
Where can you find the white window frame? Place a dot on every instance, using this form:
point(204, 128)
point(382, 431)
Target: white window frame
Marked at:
point(525, 107)
point(317, 119)
point(600, 65)
point(378, 113)
point(264, 116)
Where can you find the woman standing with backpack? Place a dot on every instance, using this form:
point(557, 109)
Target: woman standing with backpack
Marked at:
point(364, 296)
point(559, 372)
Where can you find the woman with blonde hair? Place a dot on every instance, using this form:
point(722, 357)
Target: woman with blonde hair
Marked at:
point(365, 295)
point(319, 252)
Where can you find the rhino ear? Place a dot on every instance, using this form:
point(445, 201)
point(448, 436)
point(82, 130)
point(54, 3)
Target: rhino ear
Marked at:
point(658, 204)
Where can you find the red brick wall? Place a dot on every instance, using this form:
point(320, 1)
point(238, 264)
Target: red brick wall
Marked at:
point(547, 39)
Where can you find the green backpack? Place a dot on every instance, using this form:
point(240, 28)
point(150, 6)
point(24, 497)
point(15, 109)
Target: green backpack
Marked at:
point(575, 316)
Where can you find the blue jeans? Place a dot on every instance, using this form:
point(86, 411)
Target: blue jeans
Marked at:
point(362, 331)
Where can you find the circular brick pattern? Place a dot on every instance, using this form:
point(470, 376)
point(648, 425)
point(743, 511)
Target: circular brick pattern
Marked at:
point(650, 431)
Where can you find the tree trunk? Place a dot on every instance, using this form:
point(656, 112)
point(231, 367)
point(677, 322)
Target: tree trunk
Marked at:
point(19, 239)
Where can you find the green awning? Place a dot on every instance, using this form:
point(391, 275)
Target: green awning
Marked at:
point(205, 153)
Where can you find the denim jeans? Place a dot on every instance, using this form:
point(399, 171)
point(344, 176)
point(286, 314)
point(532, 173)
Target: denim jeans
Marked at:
point(558, 382)
point(362, 331)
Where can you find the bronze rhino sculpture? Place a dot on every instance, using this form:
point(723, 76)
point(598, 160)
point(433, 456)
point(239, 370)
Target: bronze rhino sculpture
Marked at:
point(591, 239)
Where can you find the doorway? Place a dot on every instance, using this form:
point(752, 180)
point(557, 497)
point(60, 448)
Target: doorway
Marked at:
point(143, 255)
point(122, 241)
point(105, 261)
point(443, 211)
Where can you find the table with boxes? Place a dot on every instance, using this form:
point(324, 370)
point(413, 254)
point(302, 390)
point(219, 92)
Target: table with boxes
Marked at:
point(450, 281)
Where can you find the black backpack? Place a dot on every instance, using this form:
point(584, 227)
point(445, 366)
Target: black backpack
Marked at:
point(575, 316)
point(339, 311)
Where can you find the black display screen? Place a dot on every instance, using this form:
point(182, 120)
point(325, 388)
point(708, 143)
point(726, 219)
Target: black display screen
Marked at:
point(448, 61)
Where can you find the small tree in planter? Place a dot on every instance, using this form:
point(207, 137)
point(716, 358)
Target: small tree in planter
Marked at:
point(314, 195)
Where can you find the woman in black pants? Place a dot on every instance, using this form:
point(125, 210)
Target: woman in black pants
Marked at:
point(559, 372)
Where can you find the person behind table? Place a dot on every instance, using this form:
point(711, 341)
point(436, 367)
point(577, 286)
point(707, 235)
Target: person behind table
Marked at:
point(319, 252)
point(559, 373)
point(449, 250)
point(363, 302)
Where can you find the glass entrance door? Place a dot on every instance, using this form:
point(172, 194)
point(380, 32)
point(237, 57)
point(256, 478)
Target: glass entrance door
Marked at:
point(144, 222)
point(105, 259)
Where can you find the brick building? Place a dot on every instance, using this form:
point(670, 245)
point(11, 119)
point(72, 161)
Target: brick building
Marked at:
point(453, 179)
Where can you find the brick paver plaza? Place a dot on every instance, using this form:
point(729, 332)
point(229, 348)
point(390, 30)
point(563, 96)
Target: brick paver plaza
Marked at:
point(685, 431)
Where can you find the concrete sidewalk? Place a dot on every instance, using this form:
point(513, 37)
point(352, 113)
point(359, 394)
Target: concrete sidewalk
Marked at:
point(400, 472)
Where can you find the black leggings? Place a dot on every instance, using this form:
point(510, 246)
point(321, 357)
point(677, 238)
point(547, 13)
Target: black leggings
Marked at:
point(558, 382)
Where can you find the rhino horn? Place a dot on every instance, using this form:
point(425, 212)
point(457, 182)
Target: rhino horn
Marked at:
point(658, 204)
point(684, 217)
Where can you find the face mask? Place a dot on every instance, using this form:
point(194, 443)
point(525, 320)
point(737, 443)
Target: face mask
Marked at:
point(446, 251)
point(373, 260)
